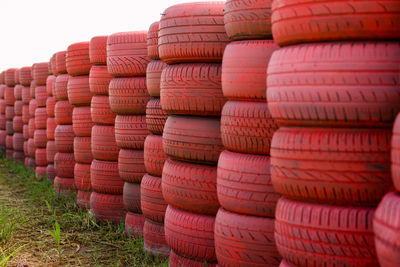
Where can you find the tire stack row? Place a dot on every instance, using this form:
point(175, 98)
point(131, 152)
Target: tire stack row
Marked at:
point(3, 132)
point(25, 79)
point(104, 175)
point(152, 201)
point(192, 35)
point(127, 62)
point(9, 111)
point(31, 148)
point(40, 72)
point(244, 225)
point(335, 95)
point(18, 125)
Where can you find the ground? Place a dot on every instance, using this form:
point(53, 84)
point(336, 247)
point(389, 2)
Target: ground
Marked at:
point(29, 215)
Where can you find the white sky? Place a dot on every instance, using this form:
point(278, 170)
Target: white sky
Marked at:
point(32, 30)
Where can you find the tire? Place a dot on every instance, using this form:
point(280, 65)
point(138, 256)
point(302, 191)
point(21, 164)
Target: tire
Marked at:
point(154, 156)
point(64, 164)
point(128, 96)
point(134, 224)
point(2, 106)
point(154, 239)
point(155, 116)
point(78, 91)
point(50, 172)
point(51, 128)
point(53, 65)
point(131, 165)
point(9, 96)
point(105, 178)
point(3, 135)
point(192, 89)
point(61, 87)
point(107, 207)
point(300, 226)
point(26, 95)
point(18, 142)
point(152, 41)
point(40, 172)
point(82, 177)
point(10, 113)
point(16, 76)
point(41, 96)
point(63, 112)
point(31, 163)
point(32, 108)
point(244, 184)
point(386, 229)
point(19, 156)
point(152, 201)
point(18, 92)
point(104, 146)
point(331, 20)
point(25, 76)
point(64, 139)
point(83, 150)
point(337, 166)
point(9, 77)
point(40, 118)
point(40, 71)
point(192, 32)
point(130, 131)
point(344, 94)
point(153, 77)
point(64, 186)
point(100, 110)
point(40, 138)
point(61, 67)
point(50, 106)
point(18, 107)
point(98, 50)
point(176, 260)
point(193, 139)
point(9, 154)
point(50, 84)
point(247, 127)
point(395, 154)
point(83, 199)
point(41, 158)
point(9, 127)
point(2, 122)
point(77, 59)
point(127, 54)
point(33, 88)
point(17, 124)
point(243, 240)
point(50, 151)
point(31, 147)
point(25, 114)
point(82, 121)
point(190, 234)
point(131, 196)
point(99, 80)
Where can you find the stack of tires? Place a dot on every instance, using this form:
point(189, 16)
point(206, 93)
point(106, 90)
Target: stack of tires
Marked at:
point(104, 177)
point(335, 95)
point(25, 79)
point(31, 124)
point(40, 72)
point(244, 186)
point(18, 125)
point(127, 62)
point(9, 112)
point(64, 161)
point(152, 201)
point(3, 132)
point(191, 41)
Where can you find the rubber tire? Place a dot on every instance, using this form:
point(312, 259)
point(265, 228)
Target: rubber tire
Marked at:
point(154, 239)
point(53, 65)
point(83, 199)
point(64, 139)
point(9, 127)
point(9, 77)
point(25, 76)
point(18, 107)
point(64, 186)
point(9, 96)
point(19, 156)
point(106, 207)
point(82, 177)
point(78, 91)
point(98, 50)
point(40, 118)
point(31, 126)
point(131, 195)
point(50, 172)
point(395, 154)
point(104, 146)
point(105, 178)
point(26, 95)
point(64, 164)
point(155, 116)
point(100, 110)
point(152, 201)
point(63, 112)
point(83, 150)
point(61, 87)
point(51, 128)
point(10, 113)
point(130, 131)
point(61, 66)
point(25, 114)
point(41, 96)
point(153, 77)
point(40, 71)
point(50, 151)
point(41, 158)
point(99, 80)
point(152, 41)
point(32, 107)
point(50, 106)
point(31, 148)
point(50, 84)
point(154, 156)
point(18, 142)
point(134, 224)
point(176, 260)
point(40, 138)
point(32, 89)
point(77, 59)
point(18, 125)
point(82, 121)
point(131, 165)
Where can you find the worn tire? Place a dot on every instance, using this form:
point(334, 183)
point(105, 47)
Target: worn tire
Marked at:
point(105, 177)
point(131, 194)
point(25, 76)
point(64, 186)
point(31, 147)
point(82, 177)
point(154, 239)
point(50, 151)
point(50, 172)
point(155, 116)
point(130, 131)
point(63, 112)
point(78, 91)
point(83, 199)
point(154, 156)
point(395, 154)
point(176, 260)
point(18, 142)
point(152, 41)
point(32, 108)
point(61, 87)
point(50, 128)
point(107, 207)
point(40, 71)
point(40, 118)
point(50, 106)
point(10, 113)
point(82, 121)
point(64, 164)
point(100, 110)
point(9, 96)
point(104, 146)
point(40, 138)
point(64, 139)
point(17, 124)
point(41, 96)
point(99, 80)
point(152, 201)
point(98, 50)
point(131, 165)
point(83, 150)
point(134, 224)
point(77, 59)
point(61, 67)
point(26, 95)
point(50, 84)
point(153, 77)
point(41, 158)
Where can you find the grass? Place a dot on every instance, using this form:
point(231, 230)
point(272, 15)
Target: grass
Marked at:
point(39, 228)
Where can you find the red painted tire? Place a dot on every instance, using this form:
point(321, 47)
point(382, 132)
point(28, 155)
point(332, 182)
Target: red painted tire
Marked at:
point(131, 194)
point(155, 116)
point(193, 139)
point(50, 84)
point(154, 156)
point(64, 186)
point(10, 113)
point(300, 226)
point(255, 236)
point(134, 224)
point(63, 112)
point(50, 128)
point(32, 107)
point(153, 76)
point(98, 50)
point(3, 106)
point(77, 59)
point(78, 91)
point(9, 96)
point(104, 146)
point(127, 54)
point(100, 110)
point(332, 85)
point(17, 124)
point(247, 127)
point(16, 77)
point(152, 41)
point(40, 138)
point(244, 184)
point(130, 131)
point(18, 141)
point(25, 114)
point(50, 172)
point(64, 164)
point(40, 172)
point(82, 177)
point(128, 95)
point(107, 207)
point(3, 135)
point(386, 228)
point(40, 71)
point(395, 154)
point(105, 178)
point(18, 107)
point(41, 96)
point(131, 165)
point(190, 234)
point(152, 201)
point(19, 156)
point(9, 154)
point(61, 66)
point(61, 87)
point(31, 148)
point(83, 150)
point(64, 137)
point(190, 187)
point(31, 163)
point(25, 76)
point(192, 32)
point(32, 89)
point(337, 166)
point(52, 65)
point(9, 127)
point(83, 199)
point(176, 260)
point(50, 106)
point(50, 151)
point(99, 80)
point(82, 121)
point(40, 118)
point(9, 77)
point(41, 158)
point(154, 239)
point(26, 95)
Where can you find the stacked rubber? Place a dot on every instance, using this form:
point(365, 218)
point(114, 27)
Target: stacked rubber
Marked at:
point(18, 138)
point(152, 201)
point(31, 148)
point(64, 160)
point(106, 202)
point(25, 79)
point(127, 62)
point(244, 225)
point(3, 132)
point(9, 98)
point(193, 35)
point(335, 95)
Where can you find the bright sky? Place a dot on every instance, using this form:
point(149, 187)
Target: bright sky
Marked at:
point(32, 30)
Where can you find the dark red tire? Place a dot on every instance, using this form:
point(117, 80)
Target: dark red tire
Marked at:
point(16, 77)
point(83, 199)
point(41, 157)
point(40, 71)
point(300, 226)
point(153, 77)
point(32, 89)
point(82, 121)
point(152, 201)
point(2, 122)
point(51, 151)
point(9, 77)
point(128, 95)
point(192, 89)
point(100, 110)
point(98, 50)
point(331, 20)
point(31, 126)
point(337, 166)
point(31, 148)
point(78, 91)
point(40, 138)
point(243, 240)
point(50, 172)
point(31, 163)
point(134, 224)
point(64, 164)
point(106, 207)
point(32, 107)
point(64, 137)
point(131, 195)
point(386, 229)
point(190, 234)
point(77, 59)
point(99, 80)
point(83, 150)
point(192, 32)
point(10, 113)
point(131, 131)
point(193, 139)
point(9, 96)
point(176, 260)
point(190, 187)
point(104, 146)
point(50, 106)
point(131, 165)
point(63, 112)
point(395, 154)
point(18, 156)
point(64, 186)
point(50, 128)
point(18, 141)
point(154, 239)
point(152, 41)
point(9, 127)
point(105, 178)
point(25, 114)
point(41, 96)
point(61, 67)
point(61, 87)
point(344, 94)
point(26, 95)
point(3, 106)
point(154, 156)
point(127, 54)
point(247, 127)
point(155, 116)
point(18, 107)
point(82, 177)
point(40, 172)
point(50, 84)
point(18, 124)
point(40, 118)
point(3, 135)
point(25, 76)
